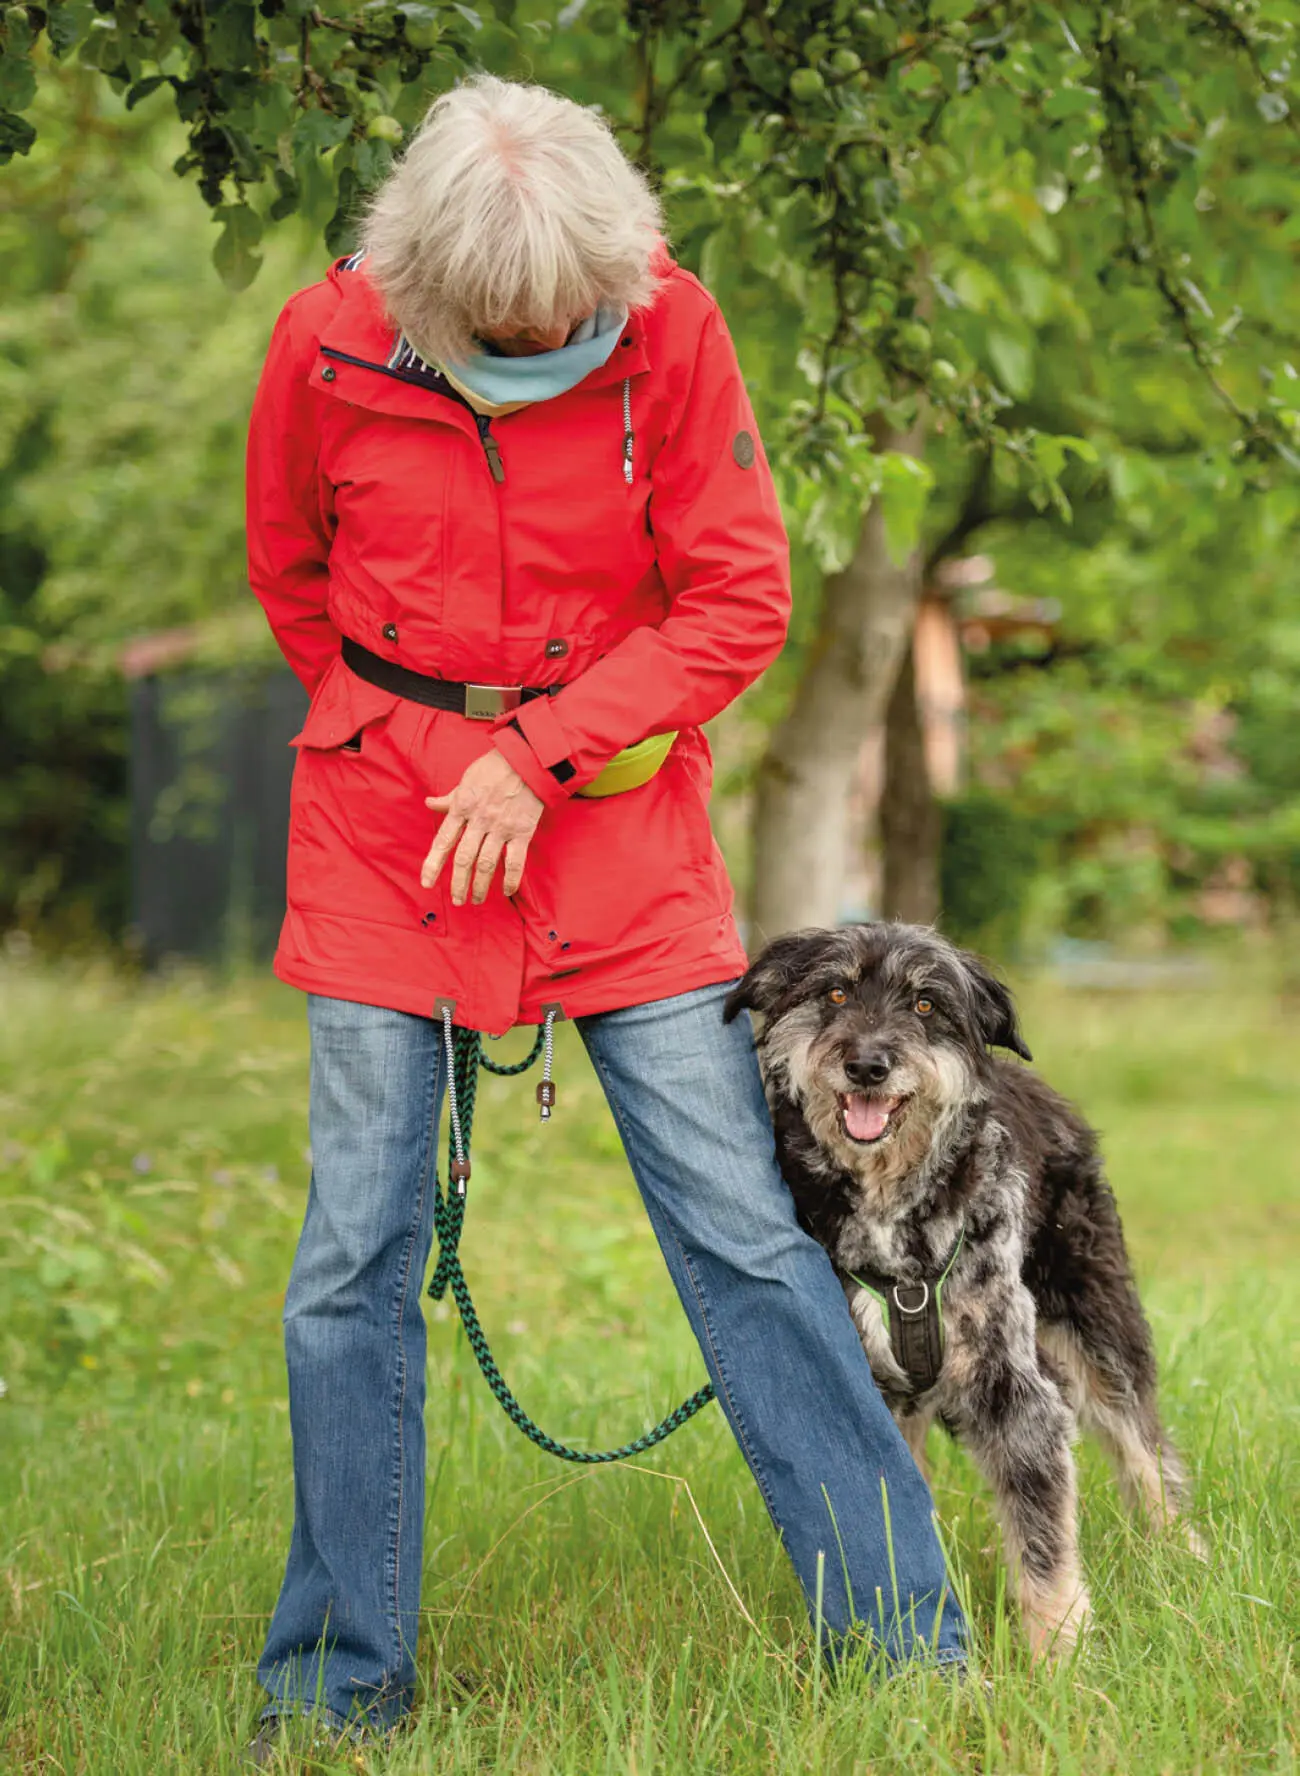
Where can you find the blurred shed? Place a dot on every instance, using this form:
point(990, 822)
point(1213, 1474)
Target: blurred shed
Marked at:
point(210, 768)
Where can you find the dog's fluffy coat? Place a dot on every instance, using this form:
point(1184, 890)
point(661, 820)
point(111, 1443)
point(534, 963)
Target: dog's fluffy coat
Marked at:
point(896, 1130)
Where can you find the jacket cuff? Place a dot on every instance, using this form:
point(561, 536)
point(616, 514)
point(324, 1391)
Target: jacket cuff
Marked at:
point(542, 728)
point(518, 754)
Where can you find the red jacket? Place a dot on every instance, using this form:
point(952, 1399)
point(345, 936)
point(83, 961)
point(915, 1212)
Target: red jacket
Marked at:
point(380, 508)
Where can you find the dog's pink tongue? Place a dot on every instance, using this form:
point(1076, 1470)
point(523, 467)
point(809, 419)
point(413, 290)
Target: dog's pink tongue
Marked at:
point(866, 1119)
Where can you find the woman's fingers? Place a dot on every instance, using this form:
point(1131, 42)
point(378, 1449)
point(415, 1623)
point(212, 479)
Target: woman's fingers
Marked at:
point(488, 858)
point(516, 856)
point(463, 865)
point(445, 837)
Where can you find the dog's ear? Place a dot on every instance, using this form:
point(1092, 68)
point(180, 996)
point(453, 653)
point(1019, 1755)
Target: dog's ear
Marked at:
point(771, 974)
point(995, 1009)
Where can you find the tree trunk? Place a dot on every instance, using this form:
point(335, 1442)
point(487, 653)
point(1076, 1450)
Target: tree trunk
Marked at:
point(909, 813)
point(803, 830)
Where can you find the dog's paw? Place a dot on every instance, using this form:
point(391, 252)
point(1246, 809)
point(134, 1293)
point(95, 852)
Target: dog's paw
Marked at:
point(1191, 1539)
point(1055, 1618)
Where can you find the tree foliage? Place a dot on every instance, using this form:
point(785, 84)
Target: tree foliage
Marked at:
point(1058, 236)
point(833, 128)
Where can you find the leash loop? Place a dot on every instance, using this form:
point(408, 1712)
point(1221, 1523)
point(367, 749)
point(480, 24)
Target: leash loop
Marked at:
point(503, 1071)
point(464, 1055)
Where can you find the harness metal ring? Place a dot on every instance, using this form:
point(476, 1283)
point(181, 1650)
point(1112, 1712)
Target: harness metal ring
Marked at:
point(912, 1312)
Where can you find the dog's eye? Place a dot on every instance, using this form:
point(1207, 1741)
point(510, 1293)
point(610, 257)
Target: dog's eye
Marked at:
point(837, 996)
point(924, 1007)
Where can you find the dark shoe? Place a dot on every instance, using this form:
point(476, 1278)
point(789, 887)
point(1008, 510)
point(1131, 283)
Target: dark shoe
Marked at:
point(259, 1753)
point(299, 1733)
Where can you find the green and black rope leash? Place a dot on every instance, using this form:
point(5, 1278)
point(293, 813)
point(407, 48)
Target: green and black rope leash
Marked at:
point(464, 1052)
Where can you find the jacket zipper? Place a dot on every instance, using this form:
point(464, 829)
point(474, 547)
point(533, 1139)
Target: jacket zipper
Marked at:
point(491, 449)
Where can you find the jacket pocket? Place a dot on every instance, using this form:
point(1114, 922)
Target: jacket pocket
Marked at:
point(342, 708)
point(358, 827)
point(621, 871)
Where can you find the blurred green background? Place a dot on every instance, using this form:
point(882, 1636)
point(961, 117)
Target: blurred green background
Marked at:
point(1080, 438)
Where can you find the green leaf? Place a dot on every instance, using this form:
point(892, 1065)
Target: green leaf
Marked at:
point(233, 255)
point(905, 484)
point(724, 124)
point(19, 35)
point(16, 135)
point(17, 82)
point(143, 88)
point(921, 77)
point(316, 132)
point(1070, 101)
point(246, 159)
point(66, 25)
point(340, 230)
point(101, 47)
point(288, 194)
point(1012, 357)
point(371, 161)
point(231, 36)
point(864, 385)
point(1051, 451)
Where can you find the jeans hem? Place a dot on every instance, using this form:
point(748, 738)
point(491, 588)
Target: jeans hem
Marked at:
point(888, 1667)
point(376, 1723)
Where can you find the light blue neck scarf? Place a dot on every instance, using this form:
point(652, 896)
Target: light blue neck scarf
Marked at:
point(509, 382)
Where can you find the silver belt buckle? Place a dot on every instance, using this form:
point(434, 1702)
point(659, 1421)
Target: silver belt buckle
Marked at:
point(486, 702)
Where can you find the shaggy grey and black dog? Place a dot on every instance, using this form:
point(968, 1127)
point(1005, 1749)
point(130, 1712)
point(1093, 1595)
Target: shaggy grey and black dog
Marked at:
point(903, 1141)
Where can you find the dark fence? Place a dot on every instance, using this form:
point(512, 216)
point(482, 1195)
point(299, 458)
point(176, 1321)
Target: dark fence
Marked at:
point(210, 772)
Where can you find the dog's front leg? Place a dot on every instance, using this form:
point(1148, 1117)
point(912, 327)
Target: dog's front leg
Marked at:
point(1018, 1428)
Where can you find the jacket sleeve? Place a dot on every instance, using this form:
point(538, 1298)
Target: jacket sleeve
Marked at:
point(289, 516)
point(725, 561)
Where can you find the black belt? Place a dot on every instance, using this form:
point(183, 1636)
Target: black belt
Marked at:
point(478, 702)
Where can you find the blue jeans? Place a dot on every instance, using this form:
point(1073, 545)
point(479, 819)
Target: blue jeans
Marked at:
point(761, 1297)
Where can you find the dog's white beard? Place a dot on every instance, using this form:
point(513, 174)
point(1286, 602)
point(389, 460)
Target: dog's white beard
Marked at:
point(937, 1082)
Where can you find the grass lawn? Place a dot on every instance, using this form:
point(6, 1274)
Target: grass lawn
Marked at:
point(637, 1619)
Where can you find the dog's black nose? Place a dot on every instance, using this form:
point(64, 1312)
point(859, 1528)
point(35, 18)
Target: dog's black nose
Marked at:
point(870, 1069)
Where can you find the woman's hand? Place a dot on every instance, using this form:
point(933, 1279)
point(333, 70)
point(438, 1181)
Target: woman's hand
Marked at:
point(492, 812)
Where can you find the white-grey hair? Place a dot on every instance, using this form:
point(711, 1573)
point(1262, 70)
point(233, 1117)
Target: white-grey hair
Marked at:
point(513, 209)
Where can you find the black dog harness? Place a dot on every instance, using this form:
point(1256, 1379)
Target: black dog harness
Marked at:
point(914, 1318)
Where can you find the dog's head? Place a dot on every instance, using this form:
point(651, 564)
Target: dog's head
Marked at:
point(879, 1033)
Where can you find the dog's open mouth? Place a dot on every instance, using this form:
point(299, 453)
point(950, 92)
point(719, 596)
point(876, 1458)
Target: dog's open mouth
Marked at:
point(869, 1119)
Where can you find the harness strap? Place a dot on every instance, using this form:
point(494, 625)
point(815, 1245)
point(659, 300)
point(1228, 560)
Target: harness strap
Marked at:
point(914, 1319)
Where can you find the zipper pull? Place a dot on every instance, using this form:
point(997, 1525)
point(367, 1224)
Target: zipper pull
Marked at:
point(491, 448)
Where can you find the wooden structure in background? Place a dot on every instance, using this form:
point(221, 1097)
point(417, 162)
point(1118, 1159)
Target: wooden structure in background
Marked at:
point(918, 759)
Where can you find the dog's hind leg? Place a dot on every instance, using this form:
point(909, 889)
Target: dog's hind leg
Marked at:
point(1148, 1467)
point(1113, 1393)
